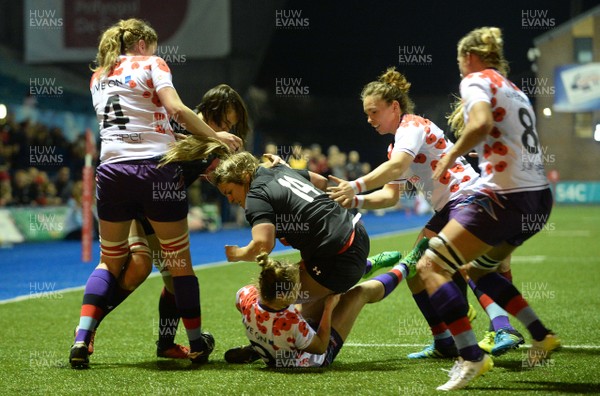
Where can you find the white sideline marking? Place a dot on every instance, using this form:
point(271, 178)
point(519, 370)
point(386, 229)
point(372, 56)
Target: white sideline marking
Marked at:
point(195, 267)
point(353, 344)
point(569, 233)
point(527, 259)
point(541, 259)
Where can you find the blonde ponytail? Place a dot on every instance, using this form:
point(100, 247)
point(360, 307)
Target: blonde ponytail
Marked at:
point(488, 44)
point(456, 119)
point(120, 38)
point(194, 148)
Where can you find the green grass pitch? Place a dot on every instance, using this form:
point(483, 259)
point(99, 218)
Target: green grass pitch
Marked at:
point(558, 270)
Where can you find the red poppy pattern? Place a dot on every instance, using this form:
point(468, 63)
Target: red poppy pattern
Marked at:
point(420, 158)
point(502, 164)
point(129, 93)
point(283, 334)
point(426, 142)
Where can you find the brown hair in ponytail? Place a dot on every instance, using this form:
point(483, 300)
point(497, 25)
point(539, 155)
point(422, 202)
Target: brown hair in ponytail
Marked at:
point(391, 85)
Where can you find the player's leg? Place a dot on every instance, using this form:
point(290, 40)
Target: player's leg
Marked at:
point(352, 302)
point(502, 336)
point(137, 267)
point(312, 296)
point(372, 291)
point(505, 270)
point(451, 248)
point(169, 221)
point(174, 243)
point(114, 250)
point(135, 271)
point(167, 308)
point(379, 261)
point(322, 276)
point(443, 344)
point(139, 264)
point(509, 298)
point(168, 313)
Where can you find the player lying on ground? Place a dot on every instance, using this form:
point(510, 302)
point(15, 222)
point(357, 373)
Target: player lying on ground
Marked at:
point(282, 337)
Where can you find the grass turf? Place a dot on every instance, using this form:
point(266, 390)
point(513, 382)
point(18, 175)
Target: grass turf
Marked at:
point(557, 270)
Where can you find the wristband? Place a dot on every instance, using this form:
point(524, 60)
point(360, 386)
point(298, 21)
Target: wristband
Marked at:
point(358, 185)
point(358, 201)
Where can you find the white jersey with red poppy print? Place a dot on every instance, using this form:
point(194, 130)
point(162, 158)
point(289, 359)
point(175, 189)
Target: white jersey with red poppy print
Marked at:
point(278, 337)
point(133, 122)
point(510, 157)
point(426, 143)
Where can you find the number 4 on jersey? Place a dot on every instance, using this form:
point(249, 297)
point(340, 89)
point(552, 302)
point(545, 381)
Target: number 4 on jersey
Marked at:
point(120, 119)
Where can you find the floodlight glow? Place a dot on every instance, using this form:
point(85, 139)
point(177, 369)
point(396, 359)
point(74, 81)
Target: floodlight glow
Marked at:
point(547, 112)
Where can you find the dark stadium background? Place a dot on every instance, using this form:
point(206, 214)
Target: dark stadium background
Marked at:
point(344, 45)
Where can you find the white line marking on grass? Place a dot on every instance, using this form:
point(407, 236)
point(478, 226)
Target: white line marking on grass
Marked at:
point(361, 345)
point(541, 259)
point(199, 267)
point(569, 233)
point(44, 295)
point(527, 259)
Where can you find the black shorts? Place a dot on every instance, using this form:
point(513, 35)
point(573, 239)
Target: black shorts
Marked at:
point(342, 271)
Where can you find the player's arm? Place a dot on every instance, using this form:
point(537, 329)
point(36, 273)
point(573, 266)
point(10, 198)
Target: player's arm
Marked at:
point(190, 121)
point(273, 160)
point(386, 197)
point(318, 181)
point(320, 341)
point(480, 124)
point(390, 170)
point(263, 240)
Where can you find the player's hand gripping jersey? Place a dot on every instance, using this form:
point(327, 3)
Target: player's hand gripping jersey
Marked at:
point(510, 158)
point(133, 122)
point(426, 143)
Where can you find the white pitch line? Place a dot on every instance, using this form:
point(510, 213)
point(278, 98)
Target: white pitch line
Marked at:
point(353, 344)
point(568, 233)
point(527, 259)
point(540, 259)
